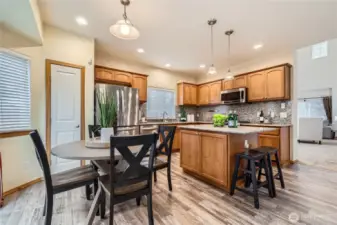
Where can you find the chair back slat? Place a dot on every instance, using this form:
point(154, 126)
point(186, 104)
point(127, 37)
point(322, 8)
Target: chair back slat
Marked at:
point(134, 172)
point(166, 134)
point(42, 158)
point(94, 131)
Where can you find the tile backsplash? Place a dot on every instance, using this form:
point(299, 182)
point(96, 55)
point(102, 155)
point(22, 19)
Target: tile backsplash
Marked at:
point(248, 112)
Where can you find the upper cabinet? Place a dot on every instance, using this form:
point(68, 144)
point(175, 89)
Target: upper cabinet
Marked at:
point(123, 77)
point(270, 84)
point(140, 82)
point(187, 94)
point(240, 81)
point(215, 91)
point(113, 76)
point(227, 84)
point(203, 94)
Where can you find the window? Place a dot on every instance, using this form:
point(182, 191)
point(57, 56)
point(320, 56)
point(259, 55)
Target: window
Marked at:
point(160, 101)
point(311, 108)
point(14, 92)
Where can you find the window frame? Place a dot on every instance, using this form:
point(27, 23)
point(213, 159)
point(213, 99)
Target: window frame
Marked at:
point(25, 131)
point(174, 102)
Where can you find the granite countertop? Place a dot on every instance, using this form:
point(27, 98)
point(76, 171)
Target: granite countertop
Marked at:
point(172, 122)
point(239, 130)
point(266, 124)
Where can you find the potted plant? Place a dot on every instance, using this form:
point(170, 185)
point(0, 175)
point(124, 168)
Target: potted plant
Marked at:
point(183, 115)
point(107, 114)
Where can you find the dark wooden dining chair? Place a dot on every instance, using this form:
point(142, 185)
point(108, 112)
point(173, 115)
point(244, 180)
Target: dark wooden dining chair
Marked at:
point(166, 135)
point(59, 182)
point(131, 180)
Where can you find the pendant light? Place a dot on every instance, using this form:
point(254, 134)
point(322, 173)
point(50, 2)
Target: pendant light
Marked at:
point(212, 69)
point(229, 75)
point(124, 29)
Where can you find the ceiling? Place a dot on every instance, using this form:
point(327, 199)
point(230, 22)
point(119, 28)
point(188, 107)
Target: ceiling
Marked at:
point(22, 17)
point(176, 32)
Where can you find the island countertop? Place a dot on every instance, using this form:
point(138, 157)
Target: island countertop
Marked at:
point(226, 129)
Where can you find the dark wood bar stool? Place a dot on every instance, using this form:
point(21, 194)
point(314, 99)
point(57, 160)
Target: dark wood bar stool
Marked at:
point(249, 174)
point(269, 152)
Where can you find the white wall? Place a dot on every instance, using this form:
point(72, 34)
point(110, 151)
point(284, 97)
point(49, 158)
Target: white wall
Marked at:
point(256, 64)
point(314, 74)
point(161, 78)
point(19, 160)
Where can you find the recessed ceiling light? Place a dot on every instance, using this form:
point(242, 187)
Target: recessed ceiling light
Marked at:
point(140, 50)
point(258, 46)
point(168, 65)
point(81, 21)
point(202, 66)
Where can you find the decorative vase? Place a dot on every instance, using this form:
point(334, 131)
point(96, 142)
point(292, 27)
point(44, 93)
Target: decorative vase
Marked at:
point(106, 133)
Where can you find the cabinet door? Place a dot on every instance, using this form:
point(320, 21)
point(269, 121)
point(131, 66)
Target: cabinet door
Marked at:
point(193, 95)
point(203, 93)
point(256, 86)
point(123, 77)
point(190, 150)
point(269, 141)
point(227, 84)
point(99, 73)
point(109, 74)
point(186, 94)
point(140, 82)
point(214, 157)
point(180, 94)
point(215, 91)
point(240, 81)
point(176, 140)
point(275, 82)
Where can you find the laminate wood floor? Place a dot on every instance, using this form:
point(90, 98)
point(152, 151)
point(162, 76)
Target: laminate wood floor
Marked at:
point(309, 198)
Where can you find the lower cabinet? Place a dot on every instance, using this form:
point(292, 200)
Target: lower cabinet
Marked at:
point(205, 154)
point(214, 157)
point(176, 140)
point(190, 150)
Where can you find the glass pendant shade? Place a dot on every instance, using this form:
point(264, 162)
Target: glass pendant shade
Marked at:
point(123, 29)
point(229, 75)
point(212, 70)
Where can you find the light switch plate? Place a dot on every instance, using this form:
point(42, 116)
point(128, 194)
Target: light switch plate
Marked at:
point(258, 114)
point(272, 114)
point(283, 115)
point(283, 105)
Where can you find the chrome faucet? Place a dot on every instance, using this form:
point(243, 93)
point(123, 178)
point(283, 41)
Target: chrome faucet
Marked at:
point(164, 113)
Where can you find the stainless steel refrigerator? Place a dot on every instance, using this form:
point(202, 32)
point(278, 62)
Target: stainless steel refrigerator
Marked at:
point(127, 100)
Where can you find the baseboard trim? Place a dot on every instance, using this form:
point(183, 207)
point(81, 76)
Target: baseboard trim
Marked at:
point(21, 187)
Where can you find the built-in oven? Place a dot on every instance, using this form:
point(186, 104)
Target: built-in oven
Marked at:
point(234, 96)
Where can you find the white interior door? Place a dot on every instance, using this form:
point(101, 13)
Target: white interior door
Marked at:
point(65, 112)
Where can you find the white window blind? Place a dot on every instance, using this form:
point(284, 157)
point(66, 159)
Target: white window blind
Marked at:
point(160, 101)
point(14, 92)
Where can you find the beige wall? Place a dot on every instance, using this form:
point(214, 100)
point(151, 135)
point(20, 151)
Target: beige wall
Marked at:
point(157, 77)
point(19, 161)
point(255, 64)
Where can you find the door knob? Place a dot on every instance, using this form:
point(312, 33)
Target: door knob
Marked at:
point(78, 126)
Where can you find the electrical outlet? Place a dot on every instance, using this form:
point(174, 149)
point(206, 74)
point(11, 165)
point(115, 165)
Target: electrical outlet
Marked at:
point(258, 114)
point(283, 115)
point(283, 105)
point(272, 114)
point(197, 114)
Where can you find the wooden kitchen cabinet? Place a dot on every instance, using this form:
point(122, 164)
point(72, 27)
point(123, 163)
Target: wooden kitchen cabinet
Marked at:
point(187, 94)
point(190, 157)
point(227, 84)
point(123, 77)
point(240, 81)
point(214, 92)
point(214, 157)
point(203, 94)
point(140, 82)
point(256, 86)
point(176, 140)
point(269, 140)
point(270, 84)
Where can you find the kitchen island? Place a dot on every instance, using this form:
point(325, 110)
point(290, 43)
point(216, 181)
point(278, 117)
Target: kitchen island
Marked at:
point(208, 152)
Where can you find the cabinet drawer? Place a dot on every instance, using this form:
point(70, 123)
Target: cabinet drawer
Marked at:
point(273, 132)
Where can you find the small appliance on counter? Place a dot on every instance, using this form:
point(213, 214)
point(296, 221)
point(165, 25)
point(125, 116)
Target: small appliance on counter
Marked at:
point(190, 117)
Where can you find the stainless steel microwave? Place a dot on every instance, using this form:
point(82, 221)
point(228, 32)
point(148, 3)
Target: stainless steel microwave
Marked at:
point(234, 96)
